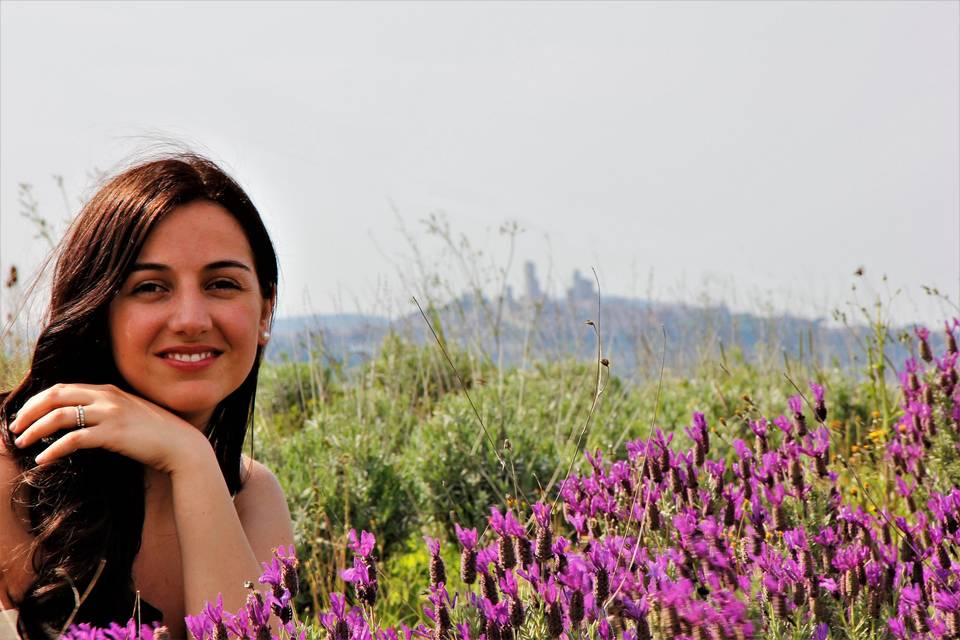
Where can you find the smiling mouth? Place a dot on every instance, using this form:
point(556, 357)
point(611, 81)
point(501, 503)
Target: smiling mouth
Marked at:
point(190, 357)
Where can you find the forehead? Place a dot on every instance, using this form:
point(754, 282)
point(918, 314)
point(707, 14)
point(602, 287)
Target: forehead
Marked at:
point(197, 233)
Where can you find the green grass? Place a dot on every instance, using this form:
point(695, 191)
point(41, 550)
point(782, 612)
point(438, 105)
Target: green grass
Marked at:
point(396, 447)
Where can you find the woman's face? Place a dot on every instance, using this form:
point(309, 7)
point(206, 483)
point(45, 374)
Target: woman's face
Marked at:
point(186, 323)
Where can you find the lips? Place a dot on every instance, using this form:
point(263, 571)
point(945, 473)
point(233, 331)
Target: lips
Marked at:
point(189, 356)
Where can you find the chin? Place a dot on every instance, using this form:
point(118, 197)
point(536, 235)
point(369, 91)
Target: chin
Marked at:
point(197, 403)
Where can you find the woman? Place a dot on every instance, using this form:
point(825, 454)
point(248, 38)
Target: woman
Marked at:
point(120, 451)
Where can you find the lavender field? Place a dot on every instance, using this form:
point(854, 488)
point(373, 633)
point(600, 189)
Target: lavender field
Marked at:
point(740, 502)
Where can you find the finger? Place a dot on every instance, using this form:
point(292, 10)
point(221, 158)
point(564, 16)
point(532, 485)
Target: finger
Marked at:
point(56, 420)
point(77, 439)
point(59, 395)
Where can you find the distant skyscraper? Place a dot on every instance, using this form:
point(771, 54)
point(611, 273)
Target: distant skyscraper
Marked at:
point(532, 285)
point(582, 287)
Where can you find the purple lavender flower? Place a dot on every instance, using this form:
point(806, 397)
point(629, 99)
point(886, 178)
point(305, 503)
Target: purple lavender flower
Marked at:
point(596, 461)
point(795, 403)
point(759, 427)
point(468, 553)
point(362, 546)
point(438, 572)
point(258, 609)
point(199, 626)
point(335, 622)
point(700, 436)
point(467, 537)
point(923, 335)
point(821, 632)
point(898, 628)
point(358, 573)
point(819, 407)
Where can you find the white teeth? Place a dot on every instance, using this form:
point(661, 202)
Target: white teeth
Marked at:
point(190, 357)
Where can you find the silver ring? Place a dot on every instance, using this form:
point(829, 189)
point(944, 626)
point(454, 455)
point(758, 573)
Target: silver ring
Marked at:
point(81, 418)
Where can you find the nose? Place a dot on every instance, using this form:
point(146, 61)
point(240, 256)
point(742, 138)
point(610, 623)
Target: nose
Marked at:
point(190, 315)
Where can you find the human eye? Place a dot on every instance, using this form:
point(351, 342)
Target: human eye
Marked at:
point(224, 283)
point(147, 288)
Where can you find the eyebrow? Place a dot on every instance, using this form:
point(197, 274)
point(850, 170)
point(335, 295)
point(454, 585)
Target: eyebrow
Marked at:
point(220, 264)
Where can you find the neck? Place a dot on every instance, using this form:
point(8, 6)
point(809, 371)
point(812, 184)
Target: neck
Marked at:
point(200, 419)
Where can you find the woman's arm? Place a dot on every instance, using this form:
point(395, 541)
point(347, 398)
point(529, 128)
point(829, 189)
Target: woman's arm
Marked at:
point(218, 551)
point(223, 542)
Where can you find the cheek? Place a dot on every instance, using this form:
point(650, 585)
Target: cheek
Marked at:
point(243, 326)
point(131, 333)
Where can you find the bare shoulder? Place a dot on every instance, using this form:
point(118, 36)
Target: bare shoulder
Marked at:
point(9, 522)
point(262, 508)
point(14, 537)
point(259, 483)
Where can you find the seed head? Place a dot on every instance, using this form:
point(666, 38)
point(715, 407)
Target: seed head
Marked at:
point(516, 613)
point(561, 562)
point(367, 593)
point(438, 572)
point(493, 630)
point(671, 620)
point(643, 629)
point(729, 513)
point(544, 544)
point(653, 516)
point(290, 578)
point(779, 518)
point(760, 445)
point(821, 465)
point(676, 483)
point(601, 585)
point(576, 608)
point(505, 553)
point(488, 587)
point(524, 551)
point(468, 565)
point(779, 602)
point(656, 471)
point(443, 626)
point(554, 619)
point(799, 594)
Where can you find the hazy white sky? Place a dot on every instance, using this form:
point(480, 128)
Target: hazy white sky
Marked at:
point(749, 152)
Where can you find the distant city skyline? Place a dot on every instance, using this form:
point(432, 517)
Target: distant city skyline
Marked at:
point(750, 154)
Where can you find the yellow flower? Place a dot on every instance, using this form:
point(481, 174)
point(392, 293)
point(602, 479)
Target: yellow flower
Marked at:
point(854, 449)
point(874, 414)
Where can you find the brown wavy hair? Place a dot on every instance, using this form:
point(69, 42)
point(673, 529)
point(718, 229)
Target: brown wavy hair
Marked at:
point(86, 510)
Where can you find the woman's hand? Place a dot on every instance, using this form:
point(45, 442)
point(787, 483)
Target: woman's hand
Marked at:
point(112, 419)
